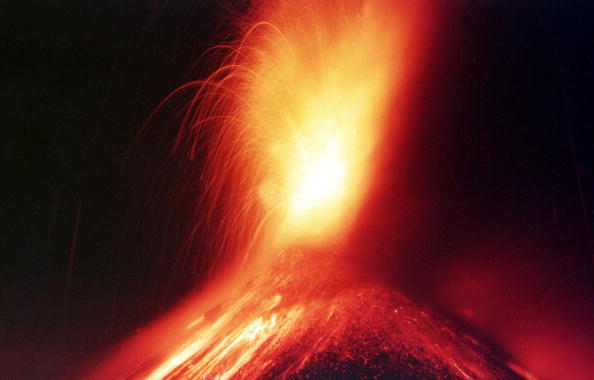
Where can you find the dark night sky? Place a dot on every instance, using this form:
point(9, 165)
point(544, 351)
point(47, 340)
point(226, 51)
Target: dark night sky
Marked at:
point(503, 138)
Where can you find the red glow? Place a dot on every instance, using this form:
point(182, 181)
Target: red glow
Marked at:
point(295, 118)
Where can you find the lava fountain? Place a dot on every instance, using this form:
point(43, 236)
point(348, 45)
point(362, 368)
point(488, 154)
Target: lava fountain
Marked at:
point(293, 120)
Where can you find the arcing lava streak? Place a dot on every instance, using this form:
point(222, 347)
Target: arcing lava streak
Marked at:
point(292, 122)
point(292, 119)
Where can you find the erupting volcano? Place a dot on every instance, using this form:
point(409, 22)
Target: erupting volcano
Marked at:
point(291, 129)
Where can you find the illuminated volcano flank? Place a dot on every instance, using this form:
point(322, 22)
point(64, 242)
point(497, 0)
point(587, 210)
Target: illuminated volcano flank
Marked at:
point(286, 323)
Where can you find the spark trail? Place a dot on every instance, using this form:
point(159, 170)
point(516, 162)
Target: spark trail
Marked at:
point(292, 120)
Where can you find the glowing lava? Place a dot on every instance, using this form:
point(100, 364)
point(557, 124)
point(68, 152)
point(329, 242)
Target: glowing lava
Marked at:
point(287, 324)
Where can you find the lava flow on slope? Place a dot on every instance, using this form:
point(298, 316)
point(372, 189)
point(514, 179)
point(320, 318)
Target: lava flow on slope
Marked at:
point(293, 121)
point(291, 323)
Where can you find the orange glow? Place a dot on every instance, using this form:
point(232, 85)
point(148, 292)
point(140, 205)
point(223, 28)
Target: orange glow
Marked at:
point(317, 107)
